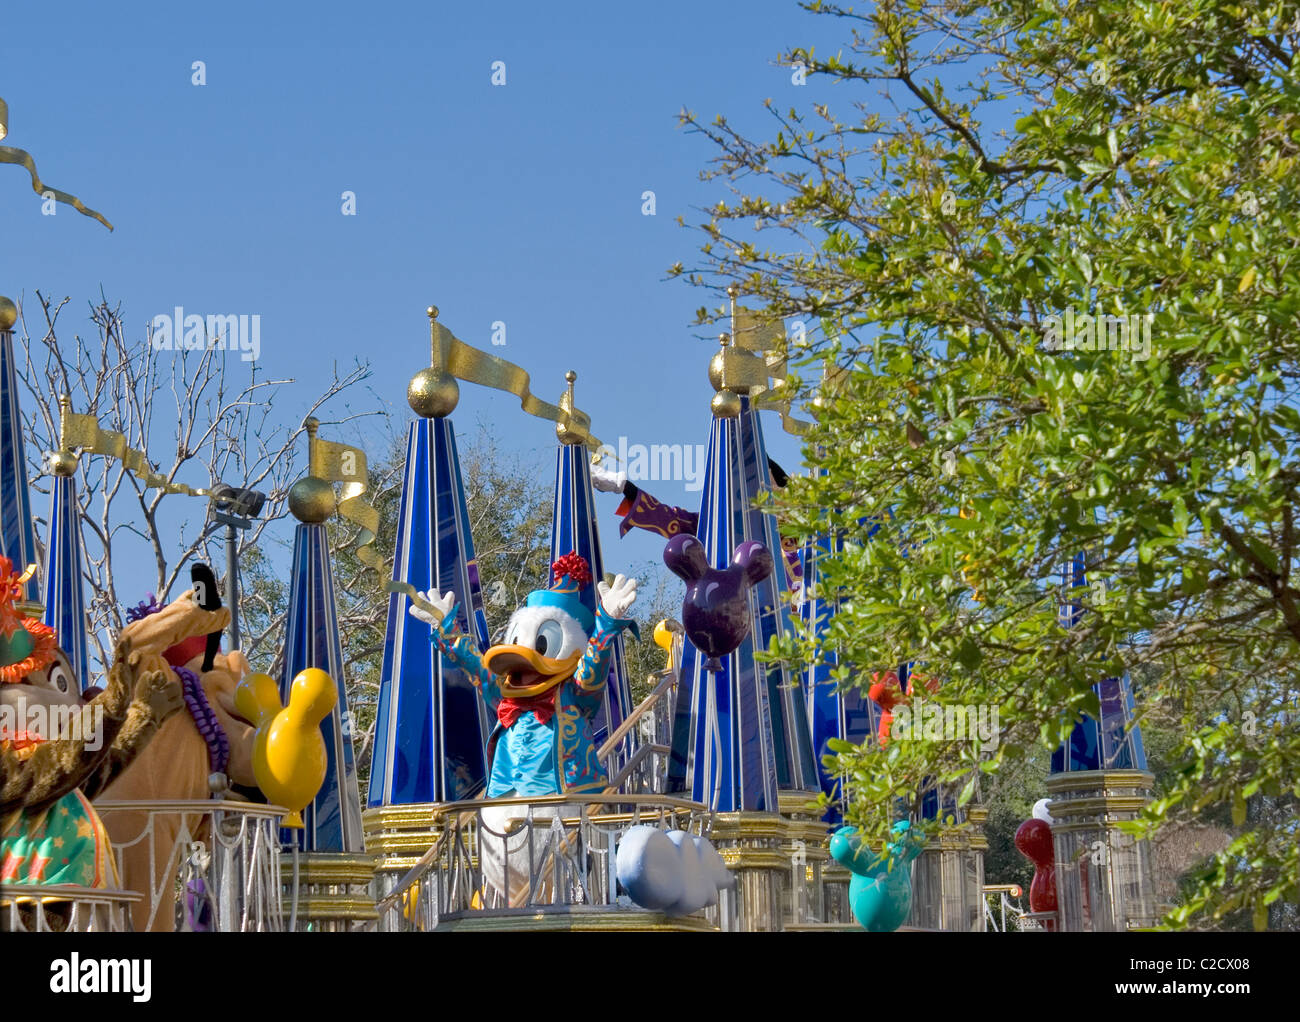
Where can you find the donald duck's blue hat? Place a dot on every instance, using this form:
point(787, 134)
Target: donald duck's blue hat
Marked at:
point(570, 574)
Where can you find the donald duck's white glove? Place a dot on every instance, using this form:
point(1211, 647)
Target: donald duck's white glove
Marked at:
point(609, 482)
point(617, 599)
point(442, 604)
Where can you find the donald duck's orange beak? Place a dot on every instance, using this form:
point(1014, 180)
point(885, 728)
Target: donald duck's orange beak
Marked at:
point(525, 672)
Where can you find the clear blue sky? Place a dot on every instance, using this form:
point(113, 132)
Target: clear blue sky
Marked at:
point(519, 203)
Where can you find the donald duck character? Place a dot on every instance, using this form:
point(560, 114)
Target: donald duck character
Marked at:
point(545, 682)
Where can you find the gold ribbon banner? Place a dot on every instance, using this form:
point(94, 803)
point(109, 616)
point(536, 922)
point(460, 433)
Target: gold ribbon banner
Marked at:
point(84, 431)
point(758, 361)
point(756, 335)
point(18, 157)
point(413, 594)
point(467, 363)
point(343, 463)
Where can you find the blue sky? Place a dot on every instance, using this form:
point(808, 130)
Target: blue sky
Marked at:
point(520, 204)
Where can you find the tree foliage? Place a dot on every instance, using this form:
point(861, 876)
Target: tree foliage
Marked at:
point(1001, 165)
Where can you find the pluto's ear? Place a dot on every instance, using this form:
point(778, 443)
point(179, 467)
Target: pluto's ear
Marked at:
point(754, 559)
point(685, 557)
point(207, 596)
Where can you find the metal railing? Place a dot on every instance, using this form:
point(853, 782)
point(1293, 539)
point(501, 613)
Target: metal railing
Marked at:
point(512, 855)
point(643, 771)
point(1005, 894)
point(1008, 908)
point(220, 865)
point(64, 908)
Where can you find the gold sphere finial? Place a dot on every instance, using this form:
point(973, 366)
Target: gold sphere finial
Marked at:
point(433, 394)
point(62, 463)
point(431, 312)
point(733, 290)
point(311, 500)
point(571, 376)
point(725, 404)
point(724, 339)
point(8, 313)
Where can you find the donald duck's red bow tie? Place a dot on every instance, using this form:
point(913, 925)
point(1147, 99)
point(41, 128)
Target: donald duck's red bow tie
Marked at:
point(510, 710)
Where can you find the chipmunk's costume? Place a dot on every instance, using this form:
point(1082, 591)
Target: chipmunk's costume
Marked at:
point(57, 752)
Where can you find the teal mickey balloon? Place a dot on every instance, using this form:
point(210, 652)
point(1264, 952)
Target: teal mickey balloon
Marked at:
point(880, 891)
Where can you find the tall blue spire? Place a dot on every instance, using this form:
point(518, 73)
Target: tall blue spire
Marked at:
point(1115, 741)
point(17, 534)
point(333, 819)
point(65, 593)
point(432, 727)
point(741, 735)
point(573, 528)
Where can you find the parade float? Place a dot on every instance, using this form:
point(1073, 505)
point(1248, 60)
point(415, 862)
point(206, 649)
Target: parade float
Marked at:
point(513, 785)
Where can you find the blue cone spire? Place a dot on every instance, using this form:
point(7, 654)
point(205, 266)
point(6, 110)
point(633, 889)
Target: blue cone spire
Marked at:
point(17, 534)
point(573, 528)
point(65, 594)
point(741, 735)
point(848, 715)
point(1115, 741)
point(432, 728)
point(333, 819)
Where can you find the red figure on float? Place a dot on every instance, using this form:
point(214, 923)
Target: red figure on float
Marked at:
point(1034, 839)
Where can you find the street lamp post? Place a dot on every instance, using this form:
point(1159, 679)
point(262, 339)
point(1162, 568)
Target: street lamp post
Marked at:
point(235, 509)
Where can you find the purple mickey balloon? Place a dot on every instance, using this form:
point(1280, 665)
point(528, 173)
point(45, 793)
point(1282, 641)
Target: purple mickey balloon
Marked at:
point(715, 611)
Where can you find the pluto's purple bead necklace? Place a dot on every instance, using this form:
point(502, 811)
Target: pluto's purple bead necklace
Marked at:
point(214, 735)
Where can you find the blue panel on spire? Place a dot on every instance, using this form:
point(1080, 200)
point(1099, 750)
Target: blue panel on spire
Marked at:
point(333, 819)
point(741, 734)
point(847, 715)
point(1115, 741)
point(573, 528)
point(432, 727)
point(65, 595)
point(17, 535)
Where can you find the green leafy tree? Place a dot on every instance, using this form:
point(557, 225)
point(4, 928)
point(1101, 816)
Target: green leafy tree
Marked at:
point(1007, 175)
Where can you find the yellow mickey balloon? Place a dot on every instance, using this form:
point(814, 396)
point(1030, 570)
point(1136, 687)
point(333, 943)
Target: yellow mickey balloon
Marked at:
point(664, 640)
point(257, 700)
point(289, 762)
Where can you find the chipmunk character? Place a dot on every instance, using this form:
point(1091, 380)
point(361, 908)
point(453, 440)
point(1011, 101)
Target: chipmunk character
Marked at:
point(59, 749)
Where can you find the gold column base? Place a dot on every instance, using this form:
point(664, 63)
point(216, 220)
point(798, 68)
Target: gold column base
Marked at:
point(333, 889)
